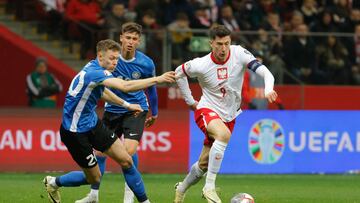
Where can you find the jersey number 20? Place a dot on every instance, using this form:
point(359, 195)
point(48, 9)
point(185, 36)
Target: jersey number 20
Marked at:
point(73, 91)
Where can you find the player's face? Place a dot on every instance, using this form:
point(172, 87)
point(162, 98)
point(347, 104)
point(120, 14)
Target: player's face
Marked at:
point(41, 68)
point(129, 41)
point(108, 59)
point(221, 47)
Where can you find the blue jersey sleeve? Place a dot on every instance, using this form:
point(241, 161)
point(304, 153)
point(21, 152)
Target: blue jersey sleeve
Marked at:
point(100, 75)
point(152, 93)
point(153, 100)
point(151, 66)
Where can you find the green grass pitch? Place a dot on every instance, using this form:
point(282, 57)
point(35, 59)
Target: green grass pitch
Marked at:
point(18, 187)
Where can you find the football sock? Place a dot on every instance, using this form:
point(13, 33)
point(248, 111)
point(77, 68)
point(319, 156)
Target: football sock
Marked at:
point(215, 158)
point(135, 159)
point(134, 181)
point(71, 179)
point(94, 192)
point(102, 164)
point(191, 178)
point(52, 182)
point(128, 194)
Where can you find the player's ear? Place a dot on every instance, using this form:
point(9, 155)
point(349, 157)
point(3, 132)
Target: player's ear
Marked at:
point(211, 43)
point(100, 55)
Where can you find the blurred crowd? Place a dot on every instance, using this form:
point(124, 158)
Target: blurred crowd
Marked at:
point(332, 56)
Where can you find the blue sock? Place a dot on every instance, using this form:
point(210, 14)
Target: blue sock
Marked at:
point(71, 179)
point(102, 164)
point(136, 184)
point(135, 159)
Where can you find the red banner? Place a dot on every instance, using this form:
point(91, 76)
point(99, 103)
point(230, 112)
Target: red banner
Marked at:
point(32, 144)
point(293, 97)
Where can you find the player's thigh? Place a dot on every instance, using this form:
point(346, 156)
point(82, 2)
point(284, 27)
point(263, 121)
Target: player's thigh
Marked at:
point(80, 147)
point(113, 121)
point(133, 126)
point(102, 137)
point(204, 158)
point(131, 145)
point(217, 129)
point(99, 154)
point(119, 154)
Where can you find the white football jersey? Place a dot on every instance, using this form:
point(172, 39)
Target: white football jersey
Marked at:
point(221, 83)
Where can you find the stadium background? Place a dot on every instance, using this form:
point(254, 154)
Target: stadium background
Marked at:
point(317, 133)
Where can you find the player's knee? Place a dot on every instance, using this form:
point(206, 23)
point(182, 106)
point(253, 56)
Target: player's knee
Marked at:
point(126, 163)
point(131, 150)
point(224, 136)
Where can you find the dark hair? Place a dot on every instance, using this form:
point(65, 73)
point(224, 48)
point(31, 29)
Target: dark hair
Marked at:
point(150, 13)
point(131, 27)
point(219, 31)
point(182, 16)
point(39, 60)
point(107, 44)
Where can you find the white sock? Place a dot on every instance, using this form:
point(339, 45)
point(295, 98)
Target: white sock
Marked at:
point(94, 192)
point(215, 158)
point(128, 194)
point(192, 178)
point(53, 183)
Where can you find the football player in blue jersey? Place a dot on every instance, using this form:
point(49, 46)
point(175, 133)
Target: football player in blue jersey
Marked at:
point(132, 65)
point(81, 131)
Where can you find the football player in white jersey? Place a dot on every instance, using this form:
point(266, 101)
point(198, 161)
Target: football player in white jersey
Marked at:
point(220, 75)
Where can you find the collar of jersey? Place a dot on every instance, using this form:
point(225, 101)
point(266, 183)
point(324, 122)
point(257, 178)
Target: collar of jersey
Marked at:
point(127, 61)
point(218, 62)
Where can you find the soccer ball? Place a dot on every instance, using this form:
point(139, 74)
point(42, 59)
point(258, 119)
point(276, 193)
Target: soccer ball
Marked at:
point(242, 198)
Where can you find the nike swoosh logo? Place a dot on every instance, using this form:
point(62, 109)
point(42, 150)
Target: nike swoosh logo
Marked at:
point(211, 200)
point(113, 135)
point(52, 198)
point(132, 134)
point(208, 198)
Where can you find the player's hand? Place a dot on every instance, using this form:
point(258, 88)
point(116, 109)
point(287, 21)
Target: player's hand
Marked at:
point(271, 96)
point(150, 121)
point(168, 77)
point(136, 108)
point(194, 106)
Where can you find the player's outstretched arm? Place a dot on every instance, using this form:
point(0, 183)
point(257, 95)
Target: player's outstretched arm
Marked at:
point(110, 97)
point(182, 82)
point(264, 72)
point(153, 101)
point(135, 85)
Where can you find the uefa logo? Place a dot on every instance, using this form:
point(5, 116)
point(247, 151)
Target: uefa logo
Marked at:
point(266, 141)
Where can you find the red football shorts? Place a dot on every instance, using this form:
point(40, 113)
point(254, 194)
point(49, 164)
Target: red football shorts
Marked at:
point(203, 116)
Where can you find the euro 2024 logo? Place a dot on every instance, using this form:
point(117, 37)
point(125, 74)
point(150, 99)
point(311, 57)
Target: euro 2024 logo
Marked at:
point(266, 141)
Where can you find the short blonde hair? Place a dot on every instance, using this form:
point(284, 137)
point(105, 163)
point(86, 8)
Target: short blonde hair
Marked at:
point(107, 44)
